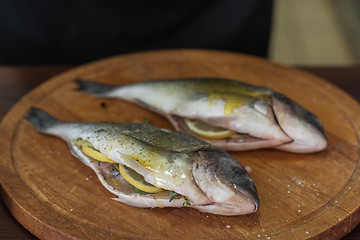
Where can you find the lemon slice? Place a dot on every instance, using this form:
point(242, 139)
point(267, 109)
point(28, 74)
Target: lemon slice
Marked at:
point(128, 174)
point(207, 130)
point(137, 180)
point(95, 154)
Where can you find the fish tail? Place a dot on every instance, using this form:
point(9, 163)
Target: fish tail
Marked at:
point(93, 87)
point(41, 119)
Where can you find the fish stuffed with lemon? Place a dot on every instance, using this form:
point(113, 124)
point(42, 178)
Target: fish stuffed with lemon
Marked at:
point(230, 114)
point(147, 167)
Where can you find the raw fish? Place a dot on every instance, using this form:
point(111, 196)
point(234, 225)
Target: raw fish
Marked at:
point(177, 169)
point(232, 115)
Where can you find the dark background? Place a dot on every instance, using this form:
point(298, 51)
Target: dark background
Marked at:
point(76, 31)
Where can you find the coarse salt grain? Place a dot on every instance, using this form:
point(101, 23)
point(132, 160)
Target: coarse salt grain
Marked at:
point(248, 169)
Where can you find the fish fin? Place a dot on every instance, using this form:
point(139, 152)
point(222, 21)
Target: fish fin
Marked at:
point(41, 119)
point(92, 87)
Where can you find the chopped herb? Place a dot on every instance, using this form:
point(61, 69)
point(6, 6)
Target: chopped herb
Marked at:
point(100, 130)
point(186, 202)
point(99, 163)
point(146, 120)
point(173, 195)
point(116, 166)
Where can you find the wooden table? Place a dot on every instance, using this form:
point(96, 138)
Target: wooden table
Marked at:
point(16, 81)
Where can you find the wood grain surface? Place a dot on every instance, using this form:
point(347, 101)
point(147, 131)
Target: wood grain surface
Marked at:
point(54, 195)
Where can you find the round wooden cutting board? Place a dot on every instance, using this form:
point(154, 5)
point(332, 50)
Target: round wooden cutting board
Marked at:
point(55, 196)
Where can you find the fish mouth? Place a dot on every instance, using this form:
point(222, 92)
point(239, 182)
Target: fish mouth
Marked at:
point(300, 125)
point(225, 182)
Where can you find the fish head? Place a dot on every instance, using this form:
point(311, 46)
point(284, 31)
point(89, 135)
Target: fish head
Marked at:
point(302, 126)
point(225, 182)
